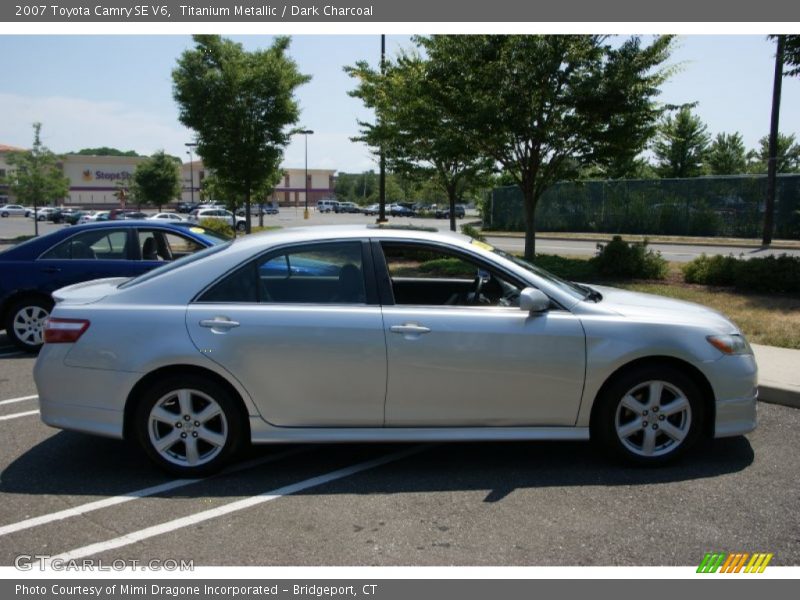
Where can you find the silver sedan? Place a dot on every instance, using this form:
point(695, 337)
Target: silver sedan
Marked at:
point(384, 334)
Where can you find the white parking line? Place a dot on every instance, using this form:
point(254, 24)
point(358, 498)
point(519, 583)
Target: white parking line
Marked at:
point(21, 399)
point(143, 493)
point(143, 534)
point(18, 415)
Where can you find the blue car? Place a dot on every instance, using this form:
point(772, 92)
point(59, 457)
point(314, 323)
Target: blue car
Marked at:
point(31, 271)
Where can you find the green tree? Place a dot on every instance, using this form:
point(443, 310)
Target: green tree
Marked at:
point(241, 105)
point(35, 176)
point(727, 155)
point(412, 127)
point(104, 151)
point(791, 54)
point(681, 146)
point(157, 180)
point(788, 155)
point(538, 105)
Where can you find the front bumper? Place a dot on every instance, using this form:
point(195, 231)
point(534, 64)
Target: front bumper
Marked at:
point(734, 380)
point(736, 417)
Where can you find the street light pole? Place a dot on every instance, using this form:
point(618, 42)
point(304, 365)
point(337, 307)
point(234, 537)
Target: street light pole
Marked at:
point(306, 133)
point(191, 170)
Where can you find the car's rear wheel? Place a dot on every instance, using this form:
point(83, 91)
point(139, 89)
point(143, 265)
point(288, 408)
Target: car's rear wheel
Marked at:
point(241, 226)
point(649, 416)
point(25, 322)
point(190, 426)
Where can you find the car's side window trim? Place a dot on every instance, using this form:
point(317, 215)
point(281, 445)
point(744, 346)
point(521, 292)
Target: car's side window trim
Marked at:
point(367, 272)
point(106, 232)
point(385, 280)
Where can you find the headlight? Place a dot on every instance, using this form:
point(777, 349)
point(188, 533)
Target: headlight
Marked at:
point(730, 344)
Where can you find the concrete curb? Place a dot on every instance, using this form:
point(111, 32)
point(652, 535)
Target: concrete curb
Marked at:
point(779, 395)
point(709, 244)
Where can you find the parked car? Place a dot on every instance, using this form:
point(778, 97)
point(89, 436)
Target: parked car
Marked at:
point(347, 207)
point(403, 349)
point(167, 216)
point(257, 209)
point(222, 214)
point(444, 212)
point(74, 216)
point(401, 209)
point(47, 213)
point(93, 216)
point(372, 209)
point(33, 269)
point(186, 207)
point(13, 210)
point(326, 206)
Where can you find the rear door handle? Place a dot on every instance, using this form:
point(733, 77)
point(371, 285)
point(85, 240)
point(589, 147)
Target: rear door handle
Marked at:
point(409, 329)
point(51, 270)
point(218, 323)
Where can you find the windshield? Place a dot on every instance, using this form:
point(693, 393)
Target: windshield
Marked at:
point(574, 289)
point(176, 264)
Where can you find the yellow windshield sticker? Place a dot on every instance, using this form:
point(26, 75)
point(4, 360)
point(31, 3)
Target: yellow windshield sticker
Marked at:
point(483, 245)
point(197, 230)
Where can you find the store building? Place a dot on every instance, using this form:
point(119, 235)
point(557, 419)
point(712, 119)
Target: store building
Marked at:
point(95, 181)
point(289, 191)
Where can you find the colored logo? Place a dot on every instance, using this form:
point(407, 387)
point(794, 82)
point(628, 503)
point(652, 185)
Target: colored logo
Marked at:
point(87, 175)
point(737, 562)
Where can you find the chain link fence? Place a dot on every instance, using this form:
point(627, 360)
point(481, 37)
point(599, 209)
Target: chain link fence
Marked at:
point(702, 206)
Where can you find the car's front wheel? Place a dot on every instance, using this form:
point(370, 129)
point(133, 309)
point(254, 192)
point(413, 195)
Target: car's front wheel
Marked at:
point(649, 416)
point(241, 226)
point(25, 322)
point(189, 425)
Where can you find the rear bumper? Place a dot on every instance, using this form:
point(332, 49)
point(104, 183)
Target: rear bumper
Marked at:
point(86, 419)
point(80, 399)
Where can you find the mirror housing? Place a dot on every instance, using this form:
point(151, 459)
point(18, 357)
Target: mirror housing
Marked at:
point(533, 300)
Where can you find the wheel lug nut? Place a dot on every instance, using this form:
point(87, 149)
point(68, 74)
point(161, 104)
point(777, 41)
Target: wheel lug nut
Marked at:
point(644, 413)
point(197, 423)
point(644, 423)
point(655, 409)
point(660, 417)
point(183, 435)
point(178, 424)
point(186, 417)
point(194, 434)
point(655, 426)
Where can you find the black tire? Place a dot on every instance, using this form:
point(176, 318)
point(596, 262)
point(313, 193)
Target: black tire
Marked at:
point(25, 322)
point(649, 435)
point(241, 226)
point(228, 427)
point(4, 215)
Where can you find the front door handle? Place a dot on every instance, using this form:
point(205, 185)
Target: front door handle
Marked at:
point(410, 329)
point(219, 324)
point(51, 270)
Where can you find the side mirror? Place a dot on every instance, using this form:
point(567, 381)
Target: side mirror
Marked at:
point(533, 300)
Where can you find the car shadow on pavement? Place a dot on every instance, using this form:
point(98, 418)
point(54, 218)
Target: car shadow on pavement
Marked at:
point(77, 464)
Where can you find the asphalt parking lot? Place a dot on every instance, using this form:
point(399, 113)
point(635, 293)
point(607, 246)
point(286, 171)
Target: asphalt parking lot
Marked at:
point(77, 496)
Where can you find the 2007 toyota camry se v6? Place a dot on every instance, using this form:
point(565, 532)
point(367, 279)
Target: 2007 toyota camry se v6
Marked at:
point(379, 334)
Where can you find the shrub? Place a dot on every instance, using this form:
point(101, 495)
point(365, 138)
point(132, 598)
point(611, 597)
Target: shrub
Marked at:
point(768, 274)
point(473, 232)
point(622, 260)
point(571, 269)
point(711, 270)
point(218, 225)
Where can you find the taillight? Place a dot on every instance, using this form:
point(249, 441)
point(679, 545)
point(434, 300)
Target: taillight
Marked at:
point(64, 331)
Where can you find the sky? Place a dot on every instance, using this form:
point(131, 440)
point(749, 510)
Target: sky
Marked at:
point(96, 90)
